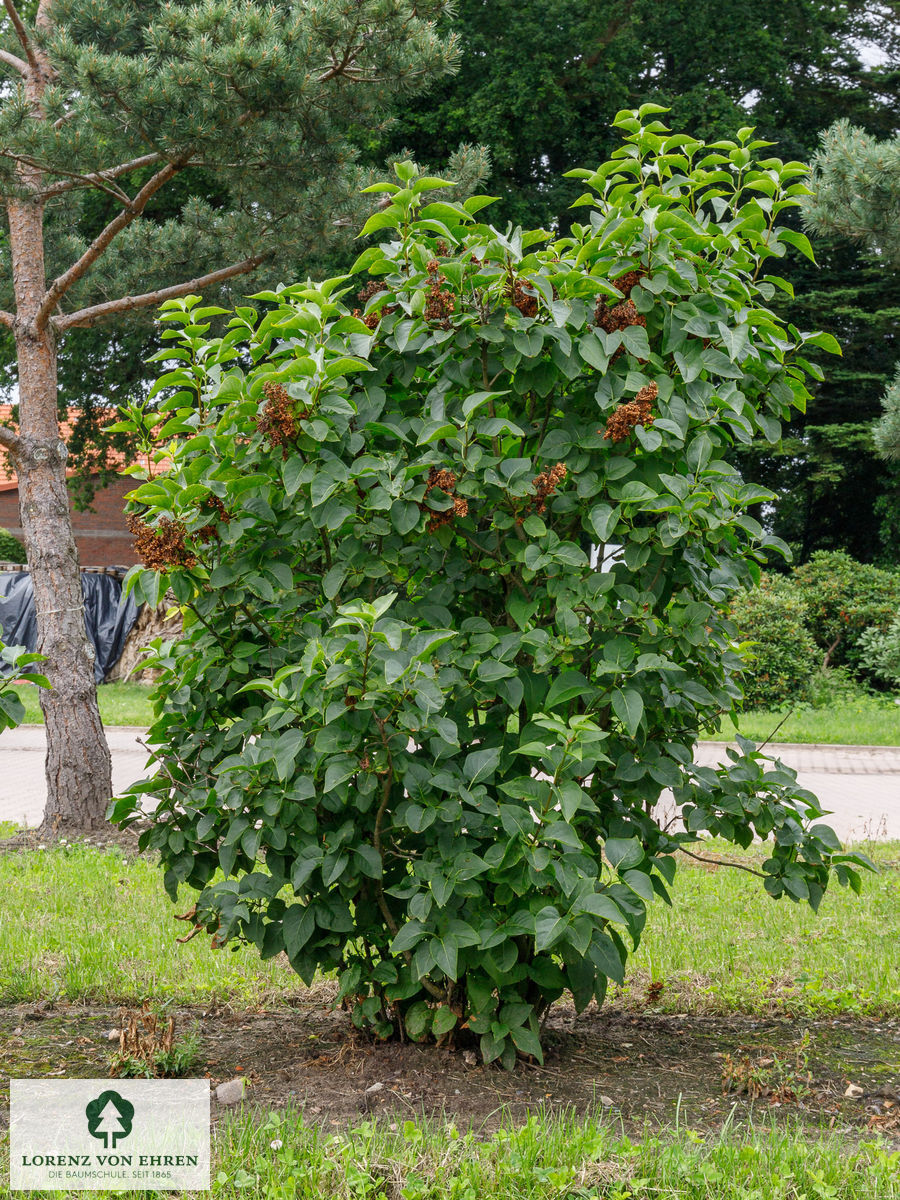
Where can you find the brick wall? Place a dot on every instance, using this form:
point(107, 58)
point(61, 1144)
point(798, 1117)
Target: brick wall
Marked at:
point(101, 535)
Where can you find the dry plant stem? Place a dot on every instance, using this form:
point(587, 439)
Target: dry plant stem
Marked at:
point(723, 862)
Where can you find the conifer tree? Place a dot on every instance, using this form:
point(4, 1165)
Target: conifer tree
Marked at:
point(121, 101)
point(856, 193)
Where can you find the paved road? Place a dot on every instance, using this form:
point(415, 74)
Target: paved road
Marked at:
point(859, 784)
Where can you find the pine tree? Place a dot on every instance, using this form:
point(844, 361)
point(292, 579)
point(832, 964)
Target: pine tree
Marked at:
point(856, 193)
point(116, 102)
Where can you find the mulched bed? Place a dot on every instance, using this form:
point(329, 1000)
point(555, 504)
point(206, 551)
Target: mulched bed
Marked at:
point(640, 1067)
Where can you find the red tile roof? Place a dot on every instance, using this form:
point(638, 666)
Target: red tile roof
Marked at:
point(8, 479)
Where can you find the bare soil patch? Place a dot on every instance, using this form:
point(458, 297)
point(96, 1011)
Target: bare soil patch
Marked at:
point(642, 1067)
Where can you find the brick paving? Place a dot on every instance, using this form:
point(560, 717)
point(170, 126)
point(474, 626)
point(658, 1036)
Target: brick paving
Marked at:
point(860, 785)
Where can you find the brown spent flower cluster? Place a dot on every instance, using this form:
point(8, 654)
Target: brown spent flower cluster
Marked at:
point(371, 319)
point(546, 484)
point(523, 301)
point(440, 477)
point(281, 417)
point(207, 533)
point(439, 304)
point(163, 547)
point(620, 423)
point(611, 317)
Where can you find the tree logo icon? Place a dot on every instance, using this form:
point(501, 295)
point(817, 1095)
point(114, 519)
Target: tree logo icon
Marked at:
point(109, 1117)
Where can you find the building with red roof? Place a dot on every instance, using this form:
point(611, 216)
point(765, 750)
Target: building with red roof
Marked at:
point(101, 535)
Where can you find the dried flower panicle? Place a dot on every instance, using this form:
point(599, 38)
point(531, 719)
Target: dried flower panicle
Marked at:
point(546, 484)
point(371, 319)
point(628, 281)
point(439, 303)
point(620, 423)
point(617, 316)
point(523, 301)
point(162, 547)
point(207, 533)
point(440, 477)
point(613, 317)
point(281, 417)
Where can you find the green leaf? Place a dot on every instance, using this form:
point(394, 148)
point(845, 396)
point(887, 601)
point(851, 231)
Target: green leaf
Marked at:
point(623, 853)
point(800, 240)
point(527, 1041)
point(628, 706)
point(288, 747)
point(565, 687)
point(481, 764)
point(407, 937)
point(370, 861)
point(549, 927)
point(404, 516)
point(298, 925)
point(418, 1020)
point(444, 1020)
point(825, 341)
point(390, 219)
point(603, 519)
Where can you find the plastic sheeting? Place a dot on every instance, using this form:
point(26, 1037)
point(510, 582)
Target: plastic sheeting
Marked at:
point(107, 616)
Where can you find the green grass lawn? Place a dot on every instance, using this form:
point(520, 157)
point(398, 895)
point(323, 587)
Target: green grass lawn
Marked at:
point(860, 721)
point(89, 925)
point(545, 1158)
point(724, 946)
point(120, 703)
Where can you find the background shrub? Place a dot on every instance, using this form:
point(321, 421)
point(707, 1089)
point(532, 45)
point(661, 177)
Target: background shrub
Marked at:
point(879, 653)
point(418, 734)
point(11, 549)
point(783, 655)
point(844, 597)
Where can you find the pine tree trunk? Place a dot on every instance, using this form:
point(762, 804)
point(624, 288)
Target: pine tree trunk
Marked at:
point(78, 769)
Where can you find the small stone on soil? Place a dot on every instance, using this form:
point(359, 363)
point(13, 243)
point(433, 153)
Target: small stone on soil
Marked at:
point(231, 1092)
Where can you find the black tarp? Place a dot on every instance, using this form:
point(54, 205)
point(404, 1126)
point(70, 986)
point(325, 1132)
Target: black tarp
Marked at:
point(107, 616)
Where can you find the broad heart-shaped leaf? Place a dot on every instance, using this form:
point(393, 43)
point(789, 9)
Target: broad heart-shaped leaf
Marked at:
point(603, 520)
point(565, 687)
point(444, 1020)
point(297, 926)
point(549, 927)
point(623, 853)
point(286, 751)
point(605, 957)
point(408, 936)
point(418, 1020)
point(628, 707)
point(481, 764)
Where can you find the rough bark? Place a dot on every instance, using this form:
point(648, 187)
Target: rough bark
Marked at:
point(151, 623)
point(78, 769)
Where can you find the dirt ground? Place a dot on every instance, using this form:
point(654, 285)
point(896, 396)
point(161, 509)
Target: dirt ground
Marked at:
point(640, 1067)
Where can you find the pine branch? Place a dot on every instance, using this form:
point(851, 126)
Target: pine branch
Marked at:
point(42, 20)
point(99, 178)
point(7, 319)
point(17, 64)
point(97, 312)
point(22, 34)
point(63, 282)
point(8, 439)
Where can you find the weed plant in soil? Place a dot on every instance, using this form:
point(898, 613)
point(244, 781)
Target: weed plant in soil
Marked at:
point(281, 1157)
point(723, 947)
